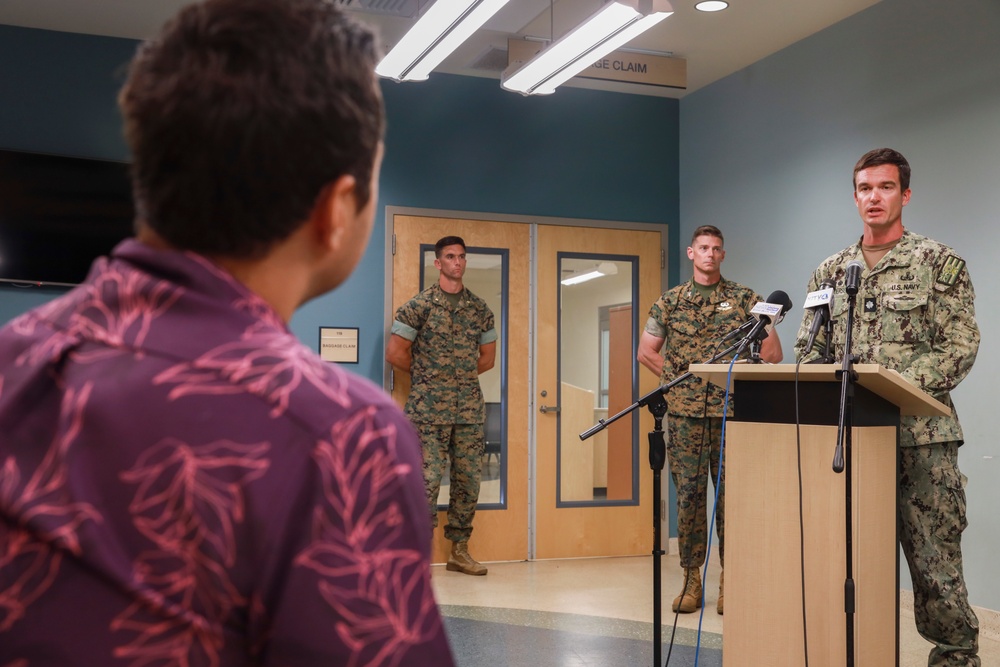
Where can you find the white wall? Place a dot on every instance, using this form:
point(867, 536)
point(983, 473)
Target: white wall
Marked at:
point(767, 155)
point(579, 341)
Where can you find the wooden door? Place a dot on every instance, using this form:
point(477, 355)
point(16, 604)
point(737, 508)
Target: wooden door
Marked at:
point(567, 527)
point(500, 529)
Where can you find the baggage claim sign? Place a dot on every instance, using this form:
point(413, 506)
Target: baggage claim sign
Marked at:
point(624, 66)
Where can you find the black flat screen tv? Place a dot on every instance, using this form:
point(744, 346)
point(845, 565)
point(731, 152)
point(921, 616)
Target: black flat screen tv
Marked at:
point(59, 213)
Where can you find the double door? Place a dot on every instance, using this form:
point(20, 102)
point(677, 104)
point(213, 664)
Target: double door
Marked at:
point(565, 359)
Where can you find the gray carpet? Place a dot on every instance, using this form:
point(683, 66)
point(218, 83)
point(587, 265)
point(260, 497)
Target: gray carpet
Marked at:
point(492, 637)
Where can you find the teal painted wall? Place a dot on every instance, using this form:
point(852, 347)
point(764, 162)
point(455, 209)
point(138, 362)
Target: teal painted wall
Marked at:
point(767, 153)
point(454, 143)
point(464, 144)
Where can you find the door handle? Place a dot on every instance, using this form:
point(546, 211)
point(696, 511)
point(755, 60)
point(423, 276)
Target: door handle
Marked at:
point(545, 409)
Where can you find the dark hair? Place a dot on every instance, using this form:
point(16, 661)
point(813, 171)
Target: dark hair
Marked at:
point(881, 156)
point(238, 115)
point(707, 230)
point(445, 242)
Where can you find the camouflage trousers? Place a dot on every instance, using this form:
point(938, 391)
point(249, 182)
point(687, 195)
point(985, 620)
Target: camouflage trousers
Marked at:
point(463, 446)
point(932, 518)
point(693, 445)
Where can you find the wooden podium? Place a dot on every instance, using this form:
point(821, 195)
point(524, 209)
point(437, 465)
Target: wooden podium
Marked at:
point(765, 548)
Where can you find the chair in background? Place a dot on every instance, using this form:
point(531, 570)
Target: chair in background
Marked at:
point(493, 431)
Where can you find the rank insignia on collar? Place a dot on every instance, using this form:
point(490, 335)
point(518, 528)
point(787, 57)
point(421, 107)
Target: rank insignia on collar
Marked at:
point(951, 270)
point(869, 305)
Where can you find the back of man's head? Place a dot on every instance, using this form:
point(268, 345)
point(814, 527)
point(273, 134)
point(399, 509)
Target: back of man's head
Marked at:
point(240, 112)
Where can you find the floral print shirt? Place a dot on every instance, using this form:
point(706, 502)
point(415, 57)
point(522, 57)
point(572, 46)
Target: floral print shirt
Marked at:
point(183, 483)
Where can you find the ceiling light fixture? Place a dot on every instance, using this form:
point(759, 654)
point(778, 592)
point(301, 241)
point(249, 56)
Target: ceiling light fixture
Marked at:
point(711, 6)
point(611, 27)
point(602, 269)
point(434, 36)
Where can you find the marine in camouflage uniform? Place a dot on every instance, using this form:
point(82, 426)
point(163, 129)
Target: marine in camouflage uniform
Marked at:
point(692, 327)
point(446, 401)
point(687, 323)
point(915, 314)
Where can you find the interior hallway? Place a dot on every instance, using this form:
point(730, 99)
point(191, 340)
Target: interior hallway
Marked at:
point(598, 613)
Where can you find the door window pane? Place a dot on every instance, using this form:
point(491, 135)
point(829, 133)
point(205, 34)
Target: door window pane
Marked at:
point(486, 276)
point(598, 376)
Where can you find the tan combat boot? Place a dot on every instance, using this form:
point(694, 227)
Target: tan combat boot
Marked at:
point(461, 561)
point(718, 605)
point(690, 597)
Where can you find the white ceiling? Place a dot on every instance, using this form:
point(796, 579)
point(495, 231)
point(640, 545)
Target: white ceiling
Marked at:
point(714, 44)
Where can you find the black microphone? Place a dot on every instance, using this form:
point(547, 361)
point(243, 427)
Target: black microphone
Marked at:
point(740, 330)
point(852, 278)
point(768, 314)
point(821, 303)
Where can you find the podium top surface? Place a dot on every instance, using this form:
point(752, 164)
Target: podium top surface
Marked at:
point(888, 384)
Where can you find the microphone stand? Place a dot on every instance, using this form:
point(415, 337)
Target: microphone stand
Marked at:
point(655, 402)
point(827, 356)
point(842, 458)
point(755, 339)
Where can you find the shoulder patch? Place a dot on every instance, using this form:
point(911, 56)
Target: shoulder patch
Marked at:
point(951, 270)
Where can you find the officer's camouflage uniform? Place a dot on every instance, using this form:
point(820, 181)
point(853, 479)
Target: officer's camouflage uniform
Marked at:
point(692, 328)
point(446, 402)
point(914, 313)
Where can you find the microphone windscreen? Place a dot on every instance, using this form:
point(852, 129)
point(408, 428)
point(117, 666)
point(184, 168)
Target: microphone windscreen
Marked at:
point(852, 276)
point(780, 298)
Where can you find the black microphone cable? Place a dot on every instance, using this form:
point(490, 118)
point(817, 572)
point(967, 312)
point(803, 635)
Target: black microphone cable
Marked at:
point(802, 530)
point(715, 503)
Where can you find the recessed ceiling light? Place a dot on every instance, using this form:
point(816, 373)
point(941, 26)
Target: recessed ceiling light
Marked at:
point(711, 6)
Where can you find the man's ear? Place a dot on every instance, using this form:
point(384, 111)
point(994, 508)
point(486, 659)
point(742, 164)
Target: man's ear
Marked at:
point(336, 209)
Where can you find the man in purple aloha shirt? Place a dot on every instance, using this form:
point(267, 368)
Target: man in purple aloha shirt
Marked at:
point(181, 481)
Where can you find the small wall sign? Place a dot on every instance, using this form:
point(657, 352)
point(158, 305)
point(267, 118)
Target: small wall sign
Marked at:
point(339, 344)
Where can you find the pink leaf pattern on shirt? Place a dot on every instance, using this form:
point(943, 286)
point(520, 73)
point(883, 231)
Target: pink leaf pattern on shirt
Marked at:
point(192, 495)
point(42, 501)
point(137, 299)
point(188, 500)
point(352, 548)
point(25, 324)
point(53, 346)
point(268, 363)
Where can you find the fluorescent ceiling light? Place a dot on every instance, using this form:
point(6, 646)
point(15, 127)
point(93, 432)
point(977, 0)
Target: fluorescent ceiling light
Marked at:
point(611, 27)
point(603, 269)
point(581, 277)
point(434, 36)
point(711, 6)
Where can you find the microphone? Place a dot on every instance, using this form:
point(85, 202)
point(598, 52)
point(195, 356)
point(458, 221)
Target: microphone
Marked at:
point(740, 330)
point(852, 278)
point(768, 314)
point(821, 303)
